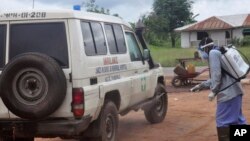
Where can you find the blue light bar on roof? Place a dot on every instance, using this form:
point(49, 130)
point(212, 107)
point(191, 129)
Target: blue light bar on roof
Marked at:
point(77, 7)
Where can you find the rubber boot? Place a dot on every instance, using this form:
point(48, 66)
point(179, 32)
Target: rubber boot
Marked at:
point(223, 133)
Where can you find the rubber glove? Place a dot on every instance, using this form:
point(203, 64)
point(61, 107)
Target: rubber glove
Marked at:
point(196, 88)
point(211, 96)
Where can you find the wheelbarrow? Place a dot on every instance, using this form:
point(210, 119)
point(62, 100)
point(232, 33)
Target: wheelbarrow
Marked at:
point(184, 78)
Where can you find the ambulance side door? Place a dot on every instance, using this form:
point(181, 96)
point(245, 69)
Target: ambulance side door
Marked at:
point(141, 75)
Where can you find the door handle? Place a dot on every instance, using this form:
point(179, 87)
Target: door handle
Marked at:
point(145, 71)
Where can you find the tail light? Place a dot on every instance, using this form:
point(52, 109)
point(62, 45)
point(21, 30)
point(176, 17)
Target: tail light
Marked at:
point(78, 102)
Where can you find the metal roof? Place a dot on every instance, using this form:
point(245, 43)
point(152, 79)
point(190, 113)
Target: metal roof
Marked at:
point(219, 23)
point(184, 27)
point(247, 21)
point(210, 24)
point(234, 20)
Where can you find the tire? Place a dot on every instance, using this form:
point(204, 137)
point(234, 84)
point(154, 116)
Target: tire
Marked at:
point(177, 81)
point(106, 126)
point(157, 112)
point(32, 86)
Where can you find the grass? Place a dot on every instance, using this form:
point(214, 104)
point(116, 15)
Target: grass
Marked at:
point(167, 56)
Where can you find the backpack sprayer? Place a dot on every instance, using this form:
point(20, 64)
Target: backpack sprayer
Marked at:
point(238, 66)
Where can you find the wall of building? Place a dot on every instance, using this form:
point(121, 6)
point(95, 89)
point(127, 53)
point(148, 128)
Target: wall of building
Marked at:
point(189, 39)
point(193, 39)
point(219, 37)
point(237, 33)
point(185, 43)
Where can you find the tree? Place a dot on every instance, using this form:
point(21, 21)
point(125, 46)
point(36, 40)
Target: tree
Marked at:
point(92, 7)
point(116, 15)
point(155, 34)
point(174, 13)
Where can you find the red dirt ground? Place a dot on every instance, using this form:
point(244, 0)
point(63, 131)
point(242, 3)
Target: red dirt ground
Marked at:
point(190, 116)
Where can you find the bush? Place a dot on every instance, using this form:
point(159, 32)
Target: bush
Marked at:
point(245, 41)
point(236, 41)
point(156, 42)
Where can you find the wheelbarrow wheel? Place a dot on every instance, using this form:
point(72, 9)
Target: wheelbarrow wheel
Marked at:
point(176, 81)
point(188, 82)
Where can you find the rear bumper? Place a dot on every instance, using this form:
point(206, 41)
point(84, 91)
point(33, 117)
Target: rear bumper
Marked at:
point(45, 128)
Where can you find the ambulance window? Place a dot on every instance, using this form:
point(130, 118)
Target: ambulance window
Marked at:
point(134, 50)
point(2, 45)
point(111, 39)
point(120, 39)
point(93, 39)
point(88, 39)
point(46, 38)
point(115, 37)
point(99, 38)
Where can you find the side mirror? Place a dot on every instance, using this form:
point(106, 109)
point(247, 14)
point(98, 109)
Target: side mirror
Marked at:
point(146, 54)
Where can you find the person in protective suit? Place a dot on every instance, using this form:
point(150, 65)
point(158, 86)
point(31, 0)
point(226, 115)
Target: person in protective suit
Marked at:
point(229, 100)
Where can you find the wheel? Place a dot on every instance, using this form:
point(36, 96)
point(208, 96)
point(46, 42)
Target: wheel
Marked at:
point(32, 85)
point(106, 126)
point(108, 123)
point(188, 82)
point(157, 112)
point(176, 81)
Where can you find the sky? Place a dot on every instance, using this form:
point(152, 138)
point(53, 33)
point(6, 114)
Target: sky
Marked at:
point(131, 10)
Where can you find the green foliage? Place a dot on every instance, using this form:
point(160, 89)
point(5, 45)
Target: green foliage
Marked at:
point(241, 42)
point(236, 42)
point(116, 15)
point(154, 33)
point(153, 39)
point(161, 43)
point(171, 14)
point(132, 25)
point(245, 41)
point(167, 15)
point(92, 7)
point(246, 51)
point(167, 56)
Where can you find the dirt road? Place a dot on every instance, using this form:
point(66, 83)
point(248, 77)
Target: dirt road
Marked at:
point(190, 117)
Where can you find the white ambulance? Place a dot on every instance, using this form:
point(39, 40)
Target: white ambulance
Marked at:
point(70, 74)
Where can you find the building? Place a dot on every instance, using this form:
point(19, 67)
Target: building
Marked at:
point(222, 29)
